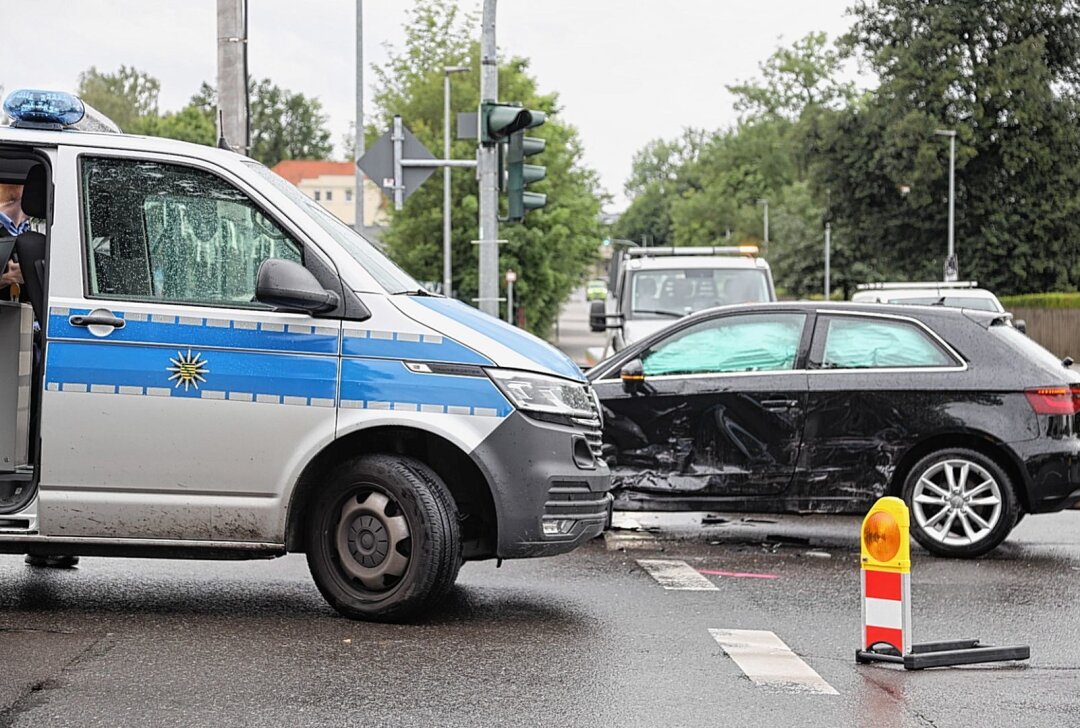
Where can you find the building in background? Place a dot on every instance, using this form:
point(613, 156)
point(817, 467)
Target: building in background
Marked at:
point(332, 185)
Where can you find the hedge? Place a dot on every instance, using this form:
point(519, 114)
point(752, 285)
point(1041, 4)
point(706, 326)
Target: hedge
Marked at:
point(1042, 300)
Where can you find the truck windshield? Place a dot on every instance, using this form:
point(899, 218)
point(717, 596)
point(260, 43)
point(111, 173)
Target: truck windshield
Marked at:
point(382, 269)
point(674, 292)
point(981, 304)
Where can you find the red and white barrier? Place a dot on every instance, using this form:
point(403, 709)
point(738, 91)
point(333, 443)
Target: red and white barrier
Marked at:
point(886, 609)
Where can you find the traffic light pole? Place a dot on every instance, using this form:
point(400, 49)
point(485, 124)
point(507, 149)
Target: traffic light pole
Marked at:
point(487, 164)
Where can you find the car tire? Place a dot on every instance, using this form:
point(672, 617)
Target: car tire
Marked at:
point(383, 540)
point(962, 503)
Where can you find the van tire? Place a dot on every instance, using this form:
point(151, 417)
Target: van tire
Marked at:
point(382, 539)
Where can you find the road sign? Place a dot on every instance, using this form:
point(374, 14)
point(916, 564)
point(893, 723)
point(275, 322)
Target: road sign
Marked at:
point(378, 163)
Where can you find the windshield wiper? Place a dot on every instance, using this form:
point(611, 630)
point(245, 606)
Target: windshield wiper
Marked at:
point(416, 292)
point(676, 314)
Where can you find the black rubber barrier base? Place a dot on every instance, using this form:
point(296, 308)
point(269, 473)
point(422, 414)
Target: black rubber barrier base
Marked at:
point(943, 654)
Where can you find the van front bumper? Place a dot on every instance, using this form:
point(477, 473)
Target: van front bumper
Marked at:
point(547, 501)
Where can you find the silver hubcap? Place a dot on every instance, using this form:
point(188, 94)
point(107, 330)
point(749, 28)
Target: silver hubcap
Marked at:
point(956, 502)
point(373, 540)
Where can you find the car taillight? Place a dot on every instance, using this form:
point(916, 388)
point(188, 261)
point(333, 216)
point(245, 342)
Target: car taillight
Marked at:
point(1054, 400)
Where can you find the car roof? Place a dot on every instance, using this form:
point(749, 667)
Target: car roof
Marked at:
point(679, 262)
point(881, 309)
point(922, 293)
point(130, 142)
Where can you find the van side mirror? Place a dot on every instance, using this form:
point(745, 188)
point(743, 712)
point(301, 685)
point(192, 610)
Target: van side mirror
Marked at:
point(633, 377)
point(597, 317)
point(1021, 325)
point(290, 287)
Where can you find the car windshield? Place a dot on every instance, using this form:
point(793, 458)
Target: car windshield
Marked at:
point(981, 304)
point(381, 268)
point(674, 292)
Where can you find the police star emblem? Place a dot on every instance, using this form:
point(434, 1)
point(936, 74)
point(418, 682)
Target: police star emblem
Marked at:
point(188, 370)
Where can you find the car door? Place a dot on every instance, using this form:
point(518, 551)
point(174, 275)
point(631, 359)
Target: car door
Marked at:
point(175, 405)
point(719, 413)
point(877, 385)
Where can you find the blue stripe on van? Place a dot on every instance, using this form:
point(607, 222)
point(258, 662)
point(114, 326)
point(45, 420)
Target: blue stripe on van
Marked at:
point(200, 332)
point(388, 382)
point(70, 365)
point(509, 336)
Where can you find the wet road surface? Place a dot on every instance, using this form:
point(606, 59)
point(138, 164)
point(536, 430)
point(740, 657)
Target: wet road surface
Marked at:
point(590, 638)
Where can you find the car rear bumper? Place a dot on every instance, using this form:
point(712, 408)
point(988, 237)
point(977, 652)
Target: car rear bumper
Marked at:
point(1052, 469)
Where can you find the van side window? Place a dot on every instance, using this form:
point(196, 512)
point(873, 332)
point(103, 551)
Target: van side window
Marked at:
point(167, 232)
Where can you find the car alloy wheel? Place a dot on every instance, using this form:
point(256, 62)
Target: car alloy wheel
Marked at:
point(956, 502)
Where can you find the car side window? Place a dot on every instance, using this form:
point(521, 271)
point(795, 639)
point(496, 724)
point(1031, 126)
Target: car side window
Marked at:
point(867, 343)
point(167, 232)
point(741, 343)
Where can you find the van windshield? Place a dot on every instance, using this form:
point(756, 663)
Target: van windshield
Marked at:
point(382, 269)
point(675, 292)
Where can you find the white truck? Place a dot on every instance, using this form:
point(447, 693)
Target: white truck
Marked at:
point(652, 287)
point(206, 364)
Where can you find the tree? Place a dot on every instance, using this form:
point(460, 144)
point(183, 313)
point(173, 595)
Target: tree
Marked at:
point(553, 248)
point(128, 96)
point(286, 125)
point(1006, 77)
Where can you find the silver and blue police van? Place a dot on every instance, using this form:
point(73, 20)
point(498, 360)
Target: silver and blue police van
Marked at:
point(200, 362)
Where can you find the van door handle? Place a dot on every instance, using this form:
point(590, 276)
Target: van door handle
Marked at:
point(97, 319)
point(779, 404)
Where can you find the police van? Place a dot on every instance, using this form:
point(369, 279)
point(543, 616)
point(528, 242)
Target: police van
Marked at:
point(203, 363)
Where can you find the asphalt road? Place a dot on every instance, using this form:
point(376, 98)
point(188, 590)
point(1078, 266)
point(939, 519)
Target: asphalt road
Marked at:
point(586, 639)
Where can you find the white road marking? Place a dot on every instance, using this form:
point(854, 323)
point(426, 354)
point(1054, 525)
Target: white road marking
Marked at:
point(766, 660)
point(676, 575)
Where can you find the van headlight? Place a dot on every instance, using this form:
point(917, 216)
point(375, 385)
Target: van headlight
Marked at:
point(539, 393)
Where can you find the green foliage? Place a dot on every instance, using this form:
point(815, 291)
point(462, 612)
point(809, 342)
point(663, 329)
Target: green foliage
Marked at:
point(286, 125)
point(128, 96)
point(552, 250)
point(1041, 300)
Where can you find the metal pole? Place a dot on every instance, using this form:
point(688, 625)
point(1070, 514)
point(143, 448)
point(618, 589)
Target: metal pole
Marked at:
point(447, 230)
point(232, 77)
point(828, 244)
point(765, 203)
point(487, 162)
point(510, 302)
point(951, 268)
point(952, 203)
point(398, 138)
point(358, 195)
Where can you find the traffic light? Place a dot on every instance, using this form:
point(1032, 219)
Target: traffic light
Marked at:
point(519, 174)
point(499, 121)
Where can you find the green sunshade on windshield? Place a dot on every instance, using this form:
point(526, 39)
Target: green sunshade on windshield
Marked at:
point(730, 344)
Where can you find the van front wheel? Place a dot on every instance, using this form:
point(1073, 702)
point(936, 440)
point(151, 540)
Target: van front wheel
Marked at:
point(382, 540)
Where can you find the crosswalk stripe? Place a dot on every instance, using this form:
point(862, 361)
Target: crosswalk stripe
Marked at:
point(766, 660)
point(676, 575)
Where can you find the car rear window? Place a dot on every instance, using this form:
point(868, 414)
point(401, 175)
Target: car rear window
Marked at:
point(870, 343)
point(1027, 346)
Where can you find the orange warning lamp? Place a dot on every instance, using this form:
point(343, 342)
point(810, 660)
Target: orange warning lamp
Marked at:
point(885, 541)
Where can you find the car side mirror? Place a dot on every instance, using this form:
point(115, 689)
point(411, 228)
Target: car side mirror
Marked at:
point(1021, 325)
point(597, 317)
point(633, 377)
point(290, 287)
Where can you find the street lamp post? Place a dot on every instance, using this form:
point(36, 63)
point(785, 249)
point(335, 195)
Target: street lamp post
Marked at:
point(447, 269)
point(952, 272)
point(765, 203)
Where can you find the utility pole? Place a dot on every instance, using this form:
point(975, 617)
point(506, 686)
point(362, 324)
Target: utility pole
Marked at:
point(952, 272)
point(447, 231)
point(828, 245)
point(487, 168)
point(358, 195)
point(232, 73)
point(766, 222)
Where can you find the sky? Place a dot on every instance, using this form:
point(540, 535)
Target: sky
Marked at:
point(627, 71)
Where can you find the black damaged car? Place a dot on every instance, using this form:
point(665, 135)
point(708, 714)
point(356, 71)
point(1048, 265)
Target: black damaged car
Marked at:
point(825, 407)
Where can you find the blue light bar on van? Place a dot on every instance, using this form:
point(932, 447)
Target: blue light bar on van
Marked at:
point(31, 107)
